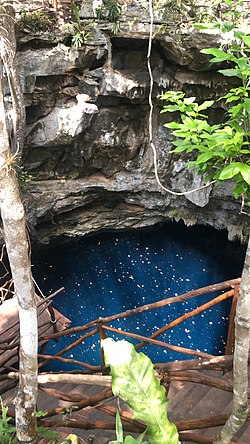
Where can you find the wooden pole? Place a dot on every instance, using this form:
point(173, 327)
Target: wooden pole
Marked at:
point(231, 328)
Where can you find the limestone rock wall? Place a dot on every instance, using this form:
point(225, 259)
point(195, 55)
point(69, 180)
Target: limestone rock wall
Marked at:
point(87, 144)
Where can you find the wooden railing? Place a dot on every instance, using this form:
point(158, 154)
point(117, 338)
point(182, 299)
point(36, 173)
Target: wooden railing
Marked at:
point(100, 326)
point(186, 370)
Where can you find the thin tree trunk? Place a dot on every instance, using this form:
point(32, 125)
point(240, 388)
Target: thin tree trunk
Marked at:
point(242, 338)
point(8, 55)
point(17, 246)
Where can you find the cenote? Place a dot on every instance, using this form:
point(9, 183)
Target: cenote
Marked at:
point(111, 272)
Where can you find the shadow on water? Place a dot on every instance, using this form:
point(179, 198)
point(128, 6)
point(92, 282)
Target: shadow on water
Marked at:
point(111, 272)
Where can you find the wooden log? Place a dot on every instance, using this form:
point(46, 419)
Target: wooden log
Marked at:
point(176, 348)
point(137, 427)
point(215, 363)
point(86, 425)
point(70, 397)
point(200, 439)
point(6, 387)
point(125, 415)
point(202, 423)
point(45, 378)
point(198, 378)
point(90, 401)
point(189, 315)
point(104, 381)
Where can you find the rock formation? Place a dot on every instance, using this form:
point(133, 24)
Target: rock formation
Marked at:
point(87, 144)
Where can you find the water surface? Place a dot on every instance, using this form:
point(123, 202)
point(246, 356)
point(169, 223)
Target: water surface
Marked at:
point(111, 272)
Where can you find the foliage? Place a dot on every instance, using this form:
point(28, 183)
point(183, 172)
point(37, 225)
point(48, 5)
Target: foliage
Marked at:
point(46, 432)
point(220, 151)
point(134, 380)
point(23, 176)
point(7, 431)
point(129, 439)
point(80, 33)
point(37, 20)
point(111, 11)
point(195, 10)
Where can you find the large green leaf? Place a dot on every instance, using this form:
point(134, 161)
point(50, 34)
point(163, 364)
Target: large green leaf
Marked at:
point(134, 380)
point(246, 40)
point(245, 172)
point(230, 171)
point(231, 72)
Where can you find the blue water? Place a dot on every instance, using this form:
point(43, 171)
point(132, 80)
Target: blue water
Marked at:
point(111, 272)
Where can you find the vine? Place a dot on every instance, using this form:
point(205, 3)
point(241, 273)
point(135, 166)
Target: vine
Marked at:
point(150, 119)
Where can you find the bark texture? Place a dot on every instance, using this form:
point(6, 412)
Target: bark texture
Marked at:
point(242, 337)
point(17, 246)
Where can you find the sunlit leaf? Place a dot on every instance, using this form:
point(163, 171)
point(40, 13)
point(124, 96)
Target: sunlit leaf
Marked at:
point(219, 54)
point(230, 171)
point(246, 40)
point(172, 125)
point(246, 103)
point(204, 157)
point(245, 172)
point(205, 105)
point(134, 380)
point(231, 72)
point(206, 26)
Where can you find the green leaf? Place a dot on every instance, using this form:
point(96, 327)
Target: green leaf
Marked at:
point(179, 149)
point(239, 34)
point(230, 171)
point(118, 427)
point(231, 98)
point(231, 72)
point(246, 40)
point(227, 26)
point(204, 157)
point(40, 414)
point(219, 55)
point(245, 172)
point(216, 52)
point(205, 105)
point(246, 103)
point(241, 188)
point(130, 440)
point(134, 380)
point(189, 100)
point(173, 125)
point(206, 26)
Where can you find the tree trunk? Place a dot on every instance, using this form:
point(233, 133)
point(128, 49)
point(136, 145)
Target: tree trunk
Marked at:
point(17, 246)
point(242, 338)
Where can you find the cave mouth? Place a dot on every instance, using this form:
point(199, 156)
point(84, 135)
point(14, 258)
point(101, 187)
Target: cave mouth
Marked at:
point(107, 273)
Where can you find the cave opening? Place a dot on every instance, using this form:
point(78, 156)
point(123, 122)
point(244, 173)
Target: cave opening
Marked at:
point(110, 272)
